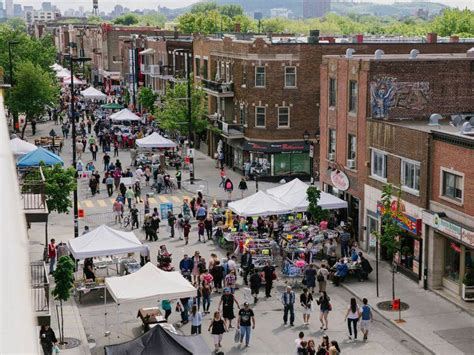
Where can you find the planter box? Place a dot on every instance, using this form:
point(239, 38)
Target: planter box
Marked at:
point(468, 293)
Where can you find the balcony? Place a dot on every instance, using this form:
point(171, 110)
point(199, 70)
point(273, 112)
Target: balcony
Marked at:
point(155, 70)
point(230, 130)
point(145, 68)
point(217, 88)
point(40, 291)
point(32, 187)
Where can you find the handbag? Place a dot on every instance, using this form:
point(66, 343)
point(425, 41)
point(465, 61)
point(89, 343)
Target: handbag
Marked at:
point(237, 336)
point(56, 349)
point(304, 281)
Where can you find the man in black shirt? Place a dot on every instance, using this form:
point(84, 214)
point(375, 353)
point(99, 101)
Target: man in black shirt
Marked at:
point(269, 274)
point(246, 264)
point(134, 214)
point(245, 320)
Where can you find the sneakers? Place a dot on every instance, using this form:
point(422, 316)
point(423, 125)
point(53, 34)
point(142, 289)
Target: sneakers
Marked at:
point(365, 337)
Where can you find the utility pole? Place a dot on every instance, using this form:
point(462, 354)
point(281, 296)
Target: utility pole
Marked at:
point(12, 82)
point(190, 135)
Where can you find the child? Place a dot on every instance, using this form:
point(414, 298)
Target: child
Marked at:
point(186, 230)
point(201, 231)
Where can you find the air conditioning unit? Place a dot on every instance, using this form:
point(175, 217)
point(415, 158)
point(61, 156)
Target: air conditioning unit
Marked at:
point(332, 156)
point(351, 164)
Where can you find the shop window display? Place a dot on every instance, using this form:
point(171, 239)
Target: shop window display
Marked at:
point(452, 258)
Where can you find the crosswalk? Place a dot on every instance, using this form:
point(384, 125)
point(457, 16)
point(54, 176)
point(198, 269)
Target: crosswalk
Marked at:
point(155, 200)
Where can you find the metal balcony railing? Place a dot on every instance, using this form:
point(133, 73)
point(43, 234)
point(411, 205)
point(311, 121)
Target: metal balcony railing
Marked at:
point(32, 188)
point(218, 87)
point(39, 286)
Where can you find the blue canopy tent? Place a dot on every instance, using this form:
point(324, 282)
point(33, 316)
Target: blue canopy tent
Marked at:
point(39, 155)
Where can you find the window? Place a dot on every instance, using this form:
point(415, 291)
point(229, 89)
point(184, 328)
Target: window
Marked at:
point(244, 75)
point(452, 260)
point(332, 141)
point(352, 96)
point(332, 92)
point(410, 175)
point(283, 117)
point(259, 76)
point(452, 185)
point(198, 66)
point(290, 77)
point(351, 147)
point(204, 69)
point(243, 115)
point(260, 116)
point(379, 164)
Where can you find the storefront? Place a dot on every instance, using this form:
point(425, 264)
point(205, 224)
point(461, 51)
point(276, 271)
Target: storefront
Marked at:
point(452, 253)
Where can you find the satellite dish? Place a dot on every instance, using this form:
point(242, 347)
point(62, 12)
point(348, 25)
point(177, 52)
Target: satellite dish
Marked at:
point(456, 121)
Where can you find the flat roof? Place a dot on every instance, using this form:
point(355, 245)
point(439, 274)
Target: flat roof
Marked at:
point(404, 57)
point(444, 126)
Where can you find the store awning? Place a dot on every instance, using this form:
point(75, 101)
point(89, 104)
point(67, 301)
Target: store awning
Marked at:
point(276, 147)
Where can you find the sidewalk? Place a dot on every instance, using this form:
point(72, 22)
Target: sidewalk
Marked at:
point(431, 320)
point(207, 179)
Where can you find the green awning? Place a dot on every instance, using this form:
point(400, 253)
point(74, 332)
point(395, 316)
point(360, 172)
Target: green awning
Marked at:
point(112, 106)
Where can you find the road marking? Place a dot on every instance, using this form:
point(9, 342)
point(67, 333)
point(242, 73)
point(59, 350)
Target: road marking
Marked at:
point(88, 203)
point(152, 200)
point(102, 203)
point(112, 200)
point(175, 199)
point(163, 199)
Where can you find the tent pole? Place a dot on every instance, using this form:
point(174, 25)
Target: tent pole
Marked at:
point(106, 332)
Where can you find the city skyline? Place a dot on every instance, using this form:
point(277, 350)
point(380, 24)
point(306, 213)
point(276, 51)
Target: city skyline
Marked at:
point(108, 5)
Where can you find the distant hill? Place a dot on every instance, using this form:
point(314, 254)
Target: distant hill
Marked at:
point(401, 9)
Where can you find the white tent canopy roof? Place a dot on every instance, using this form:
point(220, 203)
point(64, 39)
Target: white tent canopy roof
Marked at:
point(155, 140)
point(21, 147)
point(56, 67)
point(293, 193)
point(125, 115)
point(149, 283)
point(104, 241)
point(63, 73)
point(93, 94)
point(77, 81)
point(259, 204)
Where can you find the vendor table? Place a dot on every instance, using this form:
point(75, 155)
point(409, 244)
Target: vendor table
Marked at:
point(84, 288)
point(150, 316)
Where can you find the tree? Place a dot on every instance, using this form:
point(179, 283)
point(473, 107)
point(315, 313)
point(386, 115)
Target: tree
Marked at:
point(389, 235)
point(316, 212)
point(203, 7)
point(127, 20)
point(64, 279)
point(174, 115)
point(231, 10)
point(454, 22)
point(60, 183)
point(147, 98)
point(34, 89)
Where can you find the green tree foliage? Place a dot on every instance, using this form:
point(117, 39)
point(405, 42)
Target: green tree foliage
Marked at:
point(454, 22)
point(60, 183)
point(316, 212)
point(390, 231)
point(231, 10)
point(147, 98)
point(64, 280)
point(34, 89)
point(17, 23)
point(203, 7)
point(153, 19)
point(174, 115)
point(127, 20)
point(94, 20)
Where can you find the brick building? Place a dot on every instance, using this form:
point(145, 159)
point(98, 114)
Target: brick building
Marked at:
point(364, 102)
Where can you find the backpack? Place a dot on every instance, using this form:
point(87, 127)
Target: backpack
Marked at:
point(320, 277)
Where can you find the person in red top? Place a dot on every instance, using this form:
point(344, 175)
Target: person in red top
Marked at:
point(52, 253)
point(186, 230)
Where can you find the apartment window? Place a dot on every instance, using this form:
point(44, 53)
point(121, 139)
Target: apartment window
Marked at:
point(283, 117)
point(290, 77)
point(411, 175)
point(379, 164)
point(352, 96)
point(204, 69)
point(244, 74)
point(243, 115)
point(259, 76)
point(332, 92)
point(260, 116)
point(452, 185)
point(351, 147)
point(332, 141)
point(198, 66)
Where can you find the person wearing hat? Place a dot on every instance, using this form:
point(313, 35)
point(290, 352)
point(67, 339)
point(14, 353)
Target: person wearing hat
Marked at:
point(244, 322)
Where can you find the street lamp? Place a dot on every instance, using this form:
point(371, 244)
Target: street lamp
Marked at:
point(306, 136)
point(10, 59)
point(190, 136)
point(73, 60)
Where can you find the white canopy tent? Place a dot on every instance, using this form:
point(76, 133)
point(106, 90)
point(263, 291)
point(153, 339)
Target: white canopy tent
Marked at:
point(56, 67)
point(259, 204)
point(93, 94)
point(104, 241)
point(125, 115)
point(293, 194)
point(77, 81)
point(21, 147)
point(155, 140)
point(149, 283)
point(63, 73)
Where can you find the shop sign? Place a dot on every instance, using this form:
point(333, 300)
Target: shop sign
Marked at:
point(468, 237)
point(447, 227)
point(405, 221)
point(266, 147)
point(340, 180)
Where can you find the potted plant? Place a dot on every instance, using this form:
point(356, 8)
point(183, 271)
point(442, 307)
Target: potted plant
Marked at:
point(468, 286)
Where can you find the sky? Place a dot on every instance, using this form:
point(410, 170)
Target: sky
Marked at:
point(107, 5)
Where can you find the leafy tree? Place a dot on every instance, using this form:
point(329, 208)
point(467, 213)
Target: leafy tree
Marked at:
point(64, 279)
point(231, 10)
point(59, 185)
point(17, 23)
point(316, 212)
point(390, 231)
point(203, 7)
point(34, 89)
point(454, 22)
point(127, 20)
point(94, 20)
point(153, 19)
point(174, 115)
point(147, 98)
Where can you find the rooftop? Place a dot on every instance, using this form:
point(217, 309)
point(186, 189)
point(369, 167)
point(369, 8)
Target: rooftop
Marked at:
point(403, 57)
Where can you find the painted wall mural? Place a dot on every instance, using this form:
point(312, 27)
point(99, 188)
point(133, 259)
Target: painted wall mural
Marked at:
point(387, 94)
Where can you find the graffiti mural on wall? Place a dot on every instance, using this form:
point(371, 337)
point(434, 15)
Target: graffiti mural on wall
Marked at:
point(387, 93)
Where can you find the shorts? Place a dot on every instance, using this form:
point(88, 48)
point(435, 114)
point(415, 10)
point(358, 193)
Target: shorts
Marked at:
point(217, 338)
point(307, 311)
point(364, 324)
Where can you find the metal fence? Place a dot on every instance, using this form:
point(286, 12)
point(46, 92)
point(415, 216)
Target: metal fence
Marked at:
point(33, 191)
point(39, 286)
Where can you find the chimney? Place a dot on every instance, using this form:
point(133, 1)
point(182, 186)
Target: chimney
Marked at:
point(454, 39)
point(432, 37)
point(360, 38)
point(313, 36)
point(237, 27)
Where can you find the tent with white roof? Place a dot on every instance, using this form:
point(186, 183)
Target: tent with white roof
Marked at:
point(155, 140)
point(93, 94)
point(20, 147)
point(259, 204)
point(125, 115)
point(63, 73)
